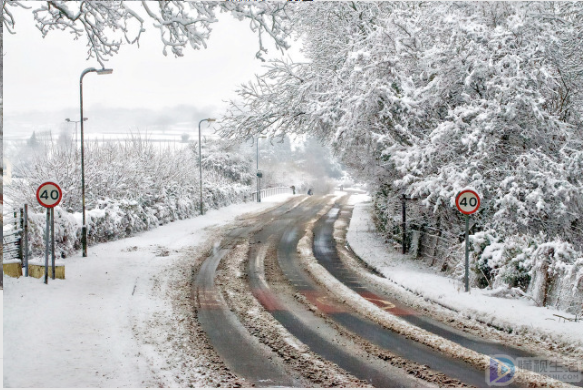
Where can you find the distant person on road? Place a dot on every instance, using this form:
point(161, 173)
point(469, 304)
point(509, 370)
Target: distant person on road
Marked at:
point(310, 192)
point(293, 189)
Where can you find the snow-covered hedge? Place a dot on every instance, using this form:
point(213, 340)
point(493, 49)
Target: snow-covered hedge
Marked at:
point(131, 186)
point(519, 263)
point(549, 271)
point(480, 107)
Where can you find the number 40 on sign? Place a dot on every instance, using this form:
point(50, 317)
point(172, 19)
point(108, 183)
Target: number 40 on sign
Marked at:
point(49, 194)
point(467, 202)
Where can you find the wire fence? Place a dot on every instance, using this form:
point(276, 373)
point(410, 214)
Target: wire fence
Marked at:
point(14, 225)
point(15, 243)
point(443, 249)
point(12, 228)
point(412, 230)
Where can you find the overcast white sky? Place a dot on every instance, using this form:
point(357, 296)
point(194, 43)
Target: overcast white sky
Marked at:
point(41, 78)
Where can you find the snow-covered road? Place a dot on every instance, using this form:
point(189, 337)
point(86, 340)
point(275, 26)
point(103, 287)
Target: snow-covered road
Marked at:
point(100, 327)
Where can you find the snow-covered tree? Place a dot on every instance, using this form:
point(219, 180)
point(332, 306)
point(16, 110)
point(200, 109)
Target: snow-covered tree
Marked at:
point(107, 24)
point(426, 99)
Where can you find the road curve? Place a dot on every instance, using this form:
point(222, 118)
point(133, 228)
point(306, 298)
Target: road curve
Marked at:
point(302, 323)
point(365, 328)
point(325, 252)
point(276, 278)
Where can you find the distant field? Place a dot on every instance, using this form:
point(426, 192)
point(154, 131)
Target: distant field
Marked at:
point(170, 137)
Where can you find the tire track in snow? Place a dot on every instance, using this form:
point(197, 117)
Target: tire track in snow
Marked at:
point(243, 354)
point(302, 323)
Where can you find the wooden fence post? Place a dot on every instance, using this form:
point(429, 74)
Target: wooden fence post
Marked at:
point(404, 206)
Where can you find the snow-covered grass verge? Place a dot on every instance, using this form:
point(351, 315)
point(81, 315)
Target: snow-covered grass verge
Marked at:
point(2, 338)
point(114, 321)
point(517, 315)
point(366, 308)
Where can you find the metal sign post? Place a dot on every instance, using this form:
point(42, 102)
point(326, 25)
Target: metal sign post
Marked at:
point(47, 247)
point(259, 176)
point(25, 240)
point(53, 242)
point(404, 216)
point(467, 262)
point(49, 195)
point(467, 202)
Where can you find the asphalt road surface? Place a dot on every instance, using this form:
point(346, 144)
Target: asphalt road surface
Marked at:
point(274, 325)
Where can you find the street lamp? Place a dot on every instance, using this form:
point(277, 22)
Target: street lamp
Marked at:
point(200, 158)
point(75, 122)
point(84, 228)
point(259, 174)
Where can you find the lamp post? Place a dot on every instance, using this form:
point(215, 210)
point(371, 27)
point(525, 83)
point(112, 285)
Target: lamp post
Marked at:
point(259, 174)
point(200, 158)
point(84, 228)
point(75, 122)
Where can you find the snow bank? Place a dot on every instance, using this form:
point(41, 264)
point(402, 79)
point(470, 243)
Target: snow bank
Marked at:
point(518, 315)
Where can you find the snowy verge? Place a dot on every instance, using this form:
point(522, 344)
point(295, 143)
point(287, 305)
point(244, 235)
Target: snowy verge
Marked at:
point(2, 338)
point(521, 316)
point(112, 322)
point(367, 309)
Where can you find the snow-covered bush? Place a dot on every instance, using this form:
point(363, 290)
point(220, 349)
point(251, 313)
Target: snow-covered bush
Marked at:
point(502, 261)
point(557, 271)
point(227, 162)
point(131, 186)
point(550, 271)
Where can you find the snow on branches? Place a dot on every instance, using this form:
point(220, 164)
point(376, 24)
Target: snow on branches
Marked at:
point(107, 24)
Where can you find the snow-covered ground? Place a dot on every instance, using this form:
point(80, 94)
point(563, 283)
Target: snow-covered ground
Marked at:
point(2, 338)
point(521, 315)
point(97, 327)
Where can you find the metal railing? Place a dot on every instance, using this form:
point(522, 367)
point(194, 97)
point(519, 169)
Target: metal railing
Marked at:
point(266, 192)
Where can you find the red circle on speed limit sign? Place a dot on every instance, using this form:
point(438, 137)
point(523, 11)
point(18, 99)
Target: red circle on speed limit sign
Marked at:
point(467, 201)
point(49, 194)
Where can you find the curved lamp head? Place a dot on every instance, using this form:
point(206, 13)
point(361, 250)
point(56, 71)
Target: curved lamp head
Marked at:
point(98, 71)
point(104, 71)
